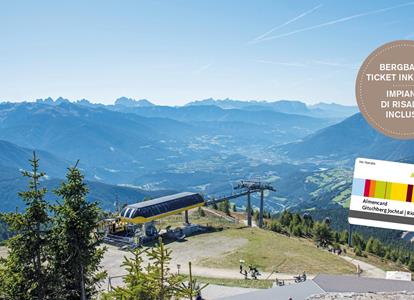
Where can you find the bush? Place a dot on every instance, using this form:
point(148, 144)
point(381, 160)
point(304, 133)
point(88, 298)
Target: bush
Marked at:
point(297, 230)
point(358, 241)
point(358, 251)
point(201, 212)
point(343, 237)
point(276, 226)
point(285, 218)
point(411, 265)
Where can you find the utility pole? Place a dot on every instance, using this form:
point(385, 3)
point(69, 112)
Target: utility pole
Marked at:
point(261, 208)
point(186, 217)
point(249, 186)
point(249, 210)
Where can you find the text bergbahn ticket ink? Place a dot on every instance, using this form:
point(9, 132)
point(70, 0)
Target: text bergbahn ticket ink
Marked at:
point(382, 194)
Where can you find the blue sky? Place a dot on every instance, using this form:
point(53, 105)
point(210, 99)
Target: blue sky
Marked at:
point(172, 52)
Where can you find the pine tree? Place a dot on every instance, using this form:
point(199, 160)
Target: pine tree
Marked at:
point(285, 218)
point(163, 283)
point(76, 251)
point(358, 240)
point(411, 265)
point(344, 237)
point(25, 273)
point(201, 212)
point(322, 234)
point(369, 245)
point(136, 285)
point(224, 206)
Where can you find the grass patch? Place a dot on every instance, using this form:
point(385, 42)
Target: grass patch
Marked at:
point(244, 283)
point(270, 251)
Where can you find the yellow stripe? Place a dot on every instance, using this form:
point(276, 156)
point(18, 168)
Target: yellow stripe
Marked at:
point(140, 220)
point(399, 191)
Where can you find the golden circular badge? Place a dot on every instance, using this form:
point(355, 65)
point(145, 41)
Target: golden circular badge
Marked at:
point(385, 89)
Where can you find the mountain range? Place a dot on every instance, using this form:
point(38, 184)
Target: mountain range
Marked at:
point(349, 139)
point(134, 149)
point(323, 110)
point(14, 159)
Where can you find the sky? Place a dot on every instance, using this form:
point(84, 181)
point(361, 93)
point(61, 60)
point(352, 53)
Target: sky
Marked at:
point(175, 51)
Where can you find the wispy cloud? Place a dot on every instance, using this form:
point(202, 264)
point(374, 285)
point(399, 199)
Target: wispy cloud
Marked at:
point(288, 64)
point(203, 68)
point(310, 63)
point(335, 64)
point(260, 37)
point(340, 20)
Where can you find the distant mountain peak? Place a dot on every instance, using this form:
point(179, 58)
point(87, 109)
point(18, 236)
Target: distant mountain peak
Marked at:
point(49, 100)
point(129, 102)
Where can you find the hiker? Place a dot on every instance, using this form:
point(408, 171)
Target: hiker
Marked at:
point(304, 276)
point(241, 268)
point(245, 274)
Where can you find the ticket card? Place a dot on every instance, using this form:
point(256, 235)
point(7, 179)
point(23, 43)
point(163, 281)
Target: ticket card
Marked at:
point(382, 194)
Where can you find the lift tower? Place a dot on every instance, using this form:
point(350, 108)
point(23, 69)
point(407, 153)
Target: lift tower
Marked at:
point(249, 187)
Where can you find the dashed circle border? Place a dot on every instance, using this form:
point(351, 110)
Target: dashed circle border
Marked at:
point(359, 90)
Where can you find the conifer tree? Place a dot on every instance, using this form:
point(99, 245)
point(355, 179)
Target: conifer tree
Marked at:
point(201, 212)
point(135, 286)
point(164, 284)
point(322, 234)
point(76, 251)
point(25, 273)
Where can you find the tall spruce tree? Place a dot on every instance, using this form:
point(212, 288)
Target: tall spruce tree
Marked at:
point(75, 248)
point(25, 273)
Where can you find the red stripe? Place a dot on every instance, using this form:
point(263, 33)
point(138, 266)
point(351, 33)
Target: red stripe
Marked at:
point(366, 189)
point(409, 193)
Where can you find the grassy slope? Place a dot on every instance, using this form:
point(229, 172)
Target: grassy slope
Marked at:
point(274, 252)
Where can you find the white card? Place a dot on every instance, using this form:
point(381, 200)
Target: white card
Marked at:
point(382, 194)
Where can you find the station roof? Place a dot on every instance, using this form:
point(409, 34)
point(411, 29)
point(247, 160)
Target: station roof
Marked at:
point(328, 284)
point(161, 206)
point(340, 283)
point(297, 291)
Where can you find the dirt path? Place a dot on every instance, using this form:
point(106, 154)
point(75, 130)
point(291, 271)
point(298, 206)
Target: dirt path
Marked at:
point(368, 270)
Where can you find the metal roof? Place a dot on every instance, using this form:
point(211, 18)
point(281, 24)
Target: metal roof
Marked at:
point(297, 291)
point(162, 205)
point(341, 283)
point(327, 284)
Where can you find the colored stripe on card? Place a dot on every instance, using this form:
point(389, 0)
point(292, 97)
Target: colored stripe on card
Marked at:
point(409, 193)
point(366, 190)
